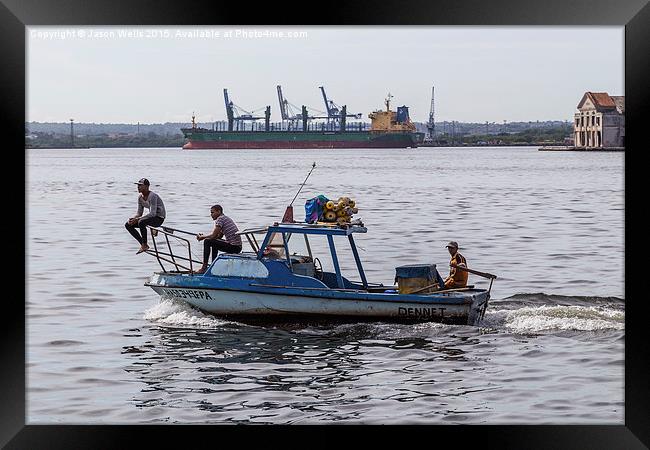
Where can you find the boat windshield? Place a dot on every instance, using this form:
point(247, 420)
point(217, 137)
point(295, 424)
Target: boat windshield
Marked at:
point(307, 255)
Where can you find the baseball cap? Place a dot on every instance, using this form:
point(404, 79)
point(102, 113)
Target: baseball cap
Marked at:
point(143, 181)
point(452, 244)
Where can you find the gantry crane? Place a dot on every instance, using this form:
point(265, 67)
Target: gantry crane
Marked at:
point(333, 110)
point(289, 111)
point(238, 114)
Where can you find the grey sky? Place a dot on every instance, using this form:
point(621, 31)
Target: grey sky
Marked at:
point(480, 73)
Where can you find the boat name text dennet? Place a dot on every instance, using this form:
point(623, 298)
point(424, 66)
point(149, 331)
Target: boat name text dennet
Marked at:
point(420, 312)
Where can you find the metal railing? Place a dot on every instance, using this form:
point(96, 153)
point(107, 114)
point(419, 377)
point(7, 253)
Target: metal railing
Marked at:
point(163, 256)
point(250, 235)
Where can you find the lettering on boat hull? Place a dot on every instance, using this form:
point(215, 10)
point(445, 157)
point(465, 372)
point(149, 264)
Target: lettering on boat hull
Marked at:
point(421, 312)
point(186, 293)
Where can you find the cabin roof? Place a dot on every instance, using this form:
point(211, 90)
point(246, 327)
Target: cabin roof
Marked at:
point(307, 228)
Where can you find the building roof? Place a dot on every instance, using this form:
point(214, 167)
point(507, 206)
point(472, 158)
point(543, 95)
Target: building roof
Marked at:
point(619, 100)
point(602, 100)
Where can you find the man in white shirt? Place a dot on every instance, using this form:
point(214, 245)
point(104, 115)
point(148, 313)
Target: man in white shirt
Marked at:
point(152, 201)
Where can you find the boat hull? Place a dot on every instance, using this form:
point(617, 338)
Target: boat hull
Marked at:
point(233, 303)
point(207, 139)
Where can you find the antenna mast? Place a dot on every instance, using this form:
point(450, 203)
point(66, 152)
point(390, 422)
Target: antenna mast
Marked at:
point(288, 213)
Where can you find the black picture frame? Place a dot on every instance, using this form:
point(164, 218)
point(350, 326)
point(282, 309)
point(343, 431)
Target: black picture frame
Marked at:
point(15, 15)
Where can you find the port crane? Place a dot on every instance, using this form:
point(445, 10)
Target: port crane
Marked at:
point(289, 111)
point(431, 126)
point(334, 111)
point(238, 114)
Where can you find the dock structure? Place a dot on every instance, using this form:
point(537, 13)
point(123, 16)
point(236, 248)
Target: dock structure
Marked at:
point(581, 149)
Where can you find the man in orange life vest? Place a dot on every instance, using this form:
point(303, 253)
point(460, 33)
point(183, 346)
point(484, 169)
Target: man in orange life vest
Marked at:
point(457, 278)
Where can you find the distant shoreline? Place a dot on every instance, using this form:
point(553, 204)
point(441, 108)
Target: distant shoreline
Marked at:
point(111, 146)
point(43, 135)
point(180, 148)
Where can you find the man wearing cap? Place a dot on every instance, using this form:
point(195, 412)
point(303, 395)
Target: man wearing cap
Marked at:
point(457, 278)
point(151, 201)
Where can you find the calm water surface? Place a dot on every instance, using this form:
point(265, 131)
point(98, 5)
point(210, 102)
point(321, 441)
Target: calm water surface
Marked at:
point(103, 348)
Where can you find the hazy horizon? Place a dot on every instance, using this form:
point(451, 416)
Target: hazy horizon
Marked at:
point(164, 74)
point(224, 120)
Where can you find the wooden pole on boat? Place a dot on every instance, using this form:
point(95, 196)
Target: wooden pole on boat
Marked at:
point(288, 213)
point(434, 285)
point(475, 272)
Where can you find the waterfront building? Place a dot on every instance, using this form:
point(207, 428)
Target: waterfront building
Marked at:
point(600, 121)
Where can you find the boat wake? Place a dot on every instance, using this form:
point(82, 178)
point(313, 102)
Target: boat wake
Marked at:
point(169, 312)
point(540, 298)
point(534, 313)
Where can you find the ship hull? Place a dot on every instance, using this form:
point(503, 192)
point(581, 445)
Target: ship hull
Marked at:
point(296, 140)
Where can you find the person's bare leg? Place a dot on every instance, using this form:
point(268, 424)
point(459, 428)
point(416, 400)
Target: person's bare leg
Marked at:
point(207, 247)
